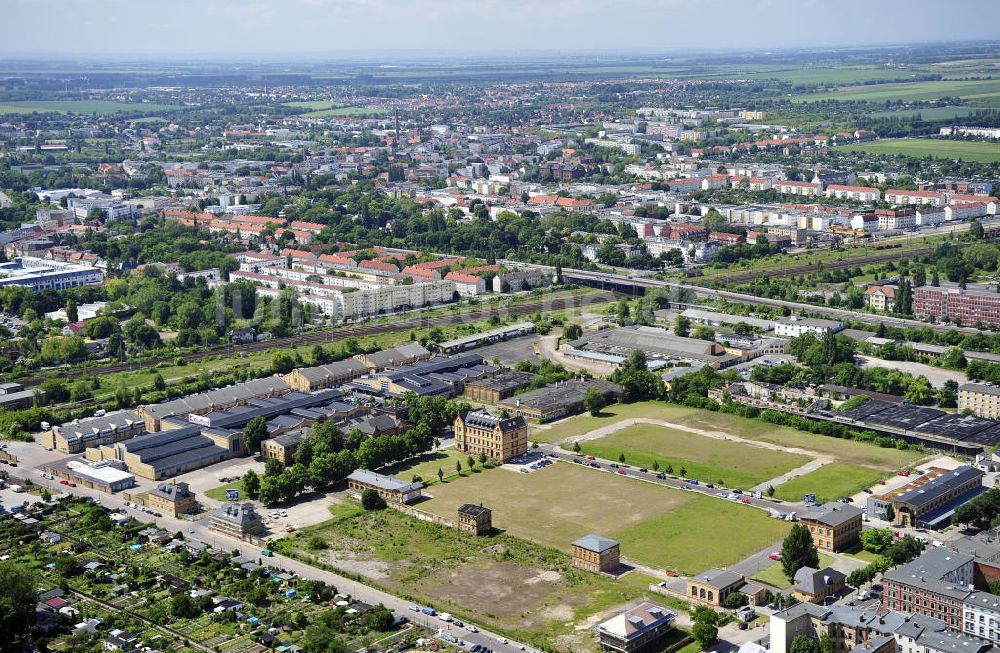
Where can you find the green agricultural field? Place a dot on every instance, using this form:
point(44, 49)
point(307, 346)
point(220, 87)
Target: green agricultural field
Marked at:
point(774, 575)
point(848, 451)
point(929, 113)
point(657, 526)
point(82, 106)
point(982, 151)
point(910, 91)
point(704, 458)
point(830, 482)
point(528, 592)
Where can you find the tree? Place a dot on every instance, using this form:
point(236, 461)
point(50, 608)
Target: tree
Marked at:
point(593, 402)
point(684, 471)
point(372, 500)
point(825, 644)
point(735, 600)
point(804, 644)
point(253, 433)
point(656, 465)
point(572, 331)
point(323, 634)
point(976, 229)
point(440, 475)
point(183, 606)
point(251, 484)
point(682, 326)
point(890, 514)
point(621, 457)
point(798, 550)
point(159, 383)
point(576, 447)
point(770, 490)
point(72, 314)
point(706, 626)
point(470, 462)
point(458, 467)
point(876, 540)
point(282, 363)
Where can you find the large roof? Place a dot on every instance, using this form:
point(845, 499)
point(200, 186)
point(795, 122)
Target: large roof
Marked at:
point(636, 621)
point(595, 543)
point(833, 513)
point(390, 483)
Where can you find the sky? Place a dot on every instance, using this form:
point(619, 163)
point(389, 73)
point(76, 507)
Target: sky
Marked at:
point(247, 27)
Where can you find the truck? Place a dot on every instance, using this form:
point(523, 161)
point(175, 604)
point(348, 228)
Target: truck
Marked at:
point(17, 488)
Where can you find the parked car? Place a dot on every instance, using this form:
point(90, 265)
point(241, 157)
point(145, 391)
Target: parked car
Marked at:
point(775, 556)
point(597, 465)
point(661, 476)
point(745, 500)
point(591, 458)
point(622, 472)
point(471, 628)
point(643, 470)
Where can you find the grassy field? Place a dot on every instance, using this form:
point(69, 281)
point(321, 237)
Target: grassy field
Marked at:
point(847, 451)
point(706, 459)
point(82, 106)
point(910, 91)
point(528, 592)
point(219, 493)
point(325, 109)
point(426, 466)
point(775, 575)
point(830, 482)
point(982, 151)
point(658, 526)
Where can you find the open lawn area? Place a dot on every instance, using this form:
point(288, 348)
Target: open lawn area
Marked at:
point(427, 465)
point(219, 493)
point(830, 482)
point(912, 91)
point(983, 151)
point(518, 588)
point(704, 458)
point(82, 106)
point(848, 451)
point(658, 526)
point(775, 575)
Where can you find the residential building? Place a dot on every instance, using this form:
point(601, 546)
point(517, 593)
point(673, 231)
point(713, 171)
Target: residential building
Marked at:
point(475, 519)
point(880, 298)
point(834, 526)
point(172, 499)
point(636, 628)
point(968, 307)
point(798, 188)
point(856, 193)
point(983, 400)
point(935, 585)
point(393, 490)
point(239, 521)
point(896, 219)
point(555, 401)
point(499, 438)
point(817, 585)
point(713, 586)
point(596, 554)
point(918, 197)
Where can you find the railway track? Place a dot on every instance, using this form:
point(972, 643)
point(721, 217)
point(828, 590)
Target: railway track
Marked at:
point(335, 334)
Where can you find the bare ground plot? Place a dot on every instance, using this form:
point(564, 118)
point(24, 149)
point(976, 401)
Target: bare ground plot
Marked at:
point(858, 453)
point(527, 591)
point(704, 458)
point(936, 375)
point(657, 526)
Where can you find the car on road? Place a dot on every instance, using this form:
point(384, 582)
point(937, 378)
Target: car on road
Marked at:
point(721, 495)
point(597, 465)
point(868, 491)
point(72, 484)
point(614, 465)
point(846, 500)
point(63, 482)
point(709, 485)
point(578, 461)
point(415, 608)
point(643, 470)
point(471, 628)
point(502, 640)
point(745, 500)
point(693, 481)
point(776, 555)
point(591, 458)
point(622, 472)
point(661, 476)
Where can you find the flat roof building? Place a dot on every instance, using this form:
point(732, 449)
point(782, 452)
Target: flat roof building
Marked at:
point(559, 400)
point(390, 488)
point(41, 274)
point(500, 386)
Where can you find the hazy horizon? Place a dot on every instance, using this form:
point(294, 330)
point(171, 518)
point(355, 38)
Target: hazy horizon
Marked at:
point(222, 29)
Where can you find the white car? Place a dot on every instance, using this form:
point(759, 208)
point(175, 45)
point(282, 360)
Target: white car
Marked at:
point(471, 628)
point(502, 640)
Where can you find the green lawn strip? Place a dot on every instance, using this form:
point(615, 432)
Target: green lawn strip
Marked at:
point(774, 574)
point(704, 458)
point(830, 482)
point(859, 453)
point(913, 91)
point(219, 493)
point(427, 465)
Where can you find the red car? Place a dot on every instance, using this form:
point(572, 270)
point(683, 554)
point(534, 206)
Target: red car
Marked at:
point(591, 458)
point(904, 472)
point(64, 482)
point(775, 556)
point(745, 500)
point(622, 472)
point(72, 484)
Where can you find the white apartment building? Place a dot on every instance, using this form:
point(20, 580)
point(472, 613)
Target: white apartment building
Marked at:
point(898, 196)
point(981, 616)
point(628, 148)
point(41, 274)
point(857, 193)
point(891, 222)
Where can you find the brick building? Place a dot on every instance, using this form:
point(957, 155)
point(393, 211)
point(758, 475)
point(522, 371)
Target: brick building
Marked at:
point(475, 519)
point(834, 526)
point(596, 554)
point(172, 499)
point(969, 307)
point(500, 438)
